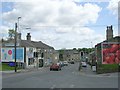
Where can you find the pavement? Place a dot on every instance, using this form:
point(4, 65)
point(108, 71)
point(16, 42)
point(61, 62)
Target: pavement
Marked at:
point(88, 72)
point(22, 70)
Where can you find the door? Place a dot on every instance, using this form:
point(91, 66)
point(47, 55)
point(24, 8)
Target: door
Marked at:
point(40, 62)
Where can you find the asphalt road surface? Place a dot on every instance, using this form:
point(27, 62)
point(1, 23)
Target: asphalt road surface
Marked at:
point(68, 77)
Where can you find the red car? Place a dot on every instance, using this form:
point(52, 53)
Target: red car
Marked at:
point(55, 67)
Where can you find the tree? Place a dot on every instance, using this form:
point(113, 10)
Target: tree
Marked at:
point(79, 49)
point(1, 40)
point(61, 52)
point(61, 57)
point(74, 49)
point(11, 33)
point(86, 50)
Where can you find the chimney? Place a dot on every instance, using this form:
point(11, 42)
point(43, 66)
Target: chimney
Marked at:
point(109, 32)
point(28, 37)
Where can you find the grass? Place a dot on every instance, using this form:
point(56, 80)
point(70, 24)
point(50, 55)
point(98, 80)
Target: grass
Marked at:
point(0, 67)
point(6, 67)
point(108, 68)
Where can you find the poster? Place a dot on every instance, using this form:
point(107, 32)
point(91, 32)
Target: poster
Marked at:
point(8, 54)
point(110, 53)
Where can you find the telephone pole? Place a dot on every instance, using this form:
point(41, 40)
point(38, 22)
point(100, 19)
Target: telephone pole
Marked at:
point(15, 46)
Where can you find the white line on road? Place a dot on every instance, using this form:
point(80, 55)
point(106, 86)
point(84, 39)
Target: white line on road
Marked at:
point(72, 86)
point(53, 87)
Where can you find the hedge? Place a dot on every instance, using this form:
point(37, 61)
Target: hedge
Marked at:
point(107, 68)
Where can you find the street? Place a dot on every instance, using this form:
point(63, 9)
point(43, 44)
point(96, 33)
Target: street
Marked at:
point(68, 77)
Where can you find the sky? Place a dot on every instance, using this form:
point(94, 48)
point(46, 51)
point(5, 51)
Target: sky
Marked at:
point(61, 23)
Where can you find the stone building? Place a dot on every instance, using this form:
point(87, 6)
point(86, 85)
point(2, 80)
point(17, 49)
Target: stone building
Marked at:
point(71, 55)
point(110, 40)
point(55, 56)
point(30, 53)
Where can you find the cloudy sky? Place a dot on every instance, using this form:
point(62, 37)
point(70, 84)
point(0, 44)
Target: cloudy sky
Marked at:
point(61, 23)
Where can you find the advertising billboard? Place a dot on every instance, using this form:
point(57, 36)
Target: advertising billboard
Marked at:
point(110, 53)
point(8, 54)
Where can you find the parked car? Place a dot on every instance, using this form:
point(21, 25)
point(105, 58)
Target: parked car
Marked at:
point(55, 67)
point(65, 63)
point(84, 64)
point(72, 62)
point(61, 64)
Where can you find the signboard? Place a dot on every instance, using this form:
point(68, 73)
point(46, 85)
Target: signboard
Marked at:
point(110, 53)
point(11, 44)
point(8, 54)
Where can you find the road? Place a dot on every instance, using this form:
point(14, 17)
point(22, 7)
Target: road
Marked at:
point(68, 77)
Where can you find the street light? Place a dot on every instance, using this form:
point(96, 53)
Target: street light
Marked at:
point(18, 22)
point(17, 28)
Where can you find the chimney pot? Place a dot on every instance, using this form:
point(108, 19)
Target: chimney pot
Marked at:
point(28, 37)
point(28, 33)
point(111, 27)
point(107, 27)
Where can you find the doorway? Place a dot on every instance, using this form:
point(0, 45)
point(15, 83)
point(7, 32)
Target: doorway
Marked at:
point(40, 62)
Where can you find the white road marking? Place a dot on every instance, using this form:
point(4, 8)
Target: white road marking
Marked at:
point(72, 86)
point(53, 87)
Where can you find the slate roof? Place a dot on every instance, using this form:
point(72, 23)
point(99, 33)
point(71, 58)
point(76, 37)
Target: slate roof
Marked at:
point(35, 44)
point(26, 43)
point(42, 45)
point(114, 39)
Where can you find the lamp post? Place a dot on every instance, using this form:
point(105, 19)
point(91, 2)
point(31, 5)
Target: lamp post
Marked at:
point(18, 22)
point(17, 28)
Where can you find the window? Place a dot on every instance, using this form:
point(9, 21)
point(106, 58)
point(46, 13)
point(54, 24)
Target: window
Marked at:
point(42, 55)
point(30, 61)
point(35, 54)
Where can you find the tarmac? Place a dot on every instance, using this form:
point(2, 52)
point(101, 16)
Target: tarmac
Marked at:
point(83, 71)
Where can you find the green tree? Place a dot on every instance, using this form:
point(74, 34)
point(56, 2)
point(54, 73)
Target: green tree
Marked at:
point(61, 52)
point(79, 49)
point(74, 49)
point(11, 33)
point(86, 50)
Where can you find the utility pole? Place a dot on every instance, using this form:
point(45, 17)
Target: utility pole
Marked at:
point(15, 46)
